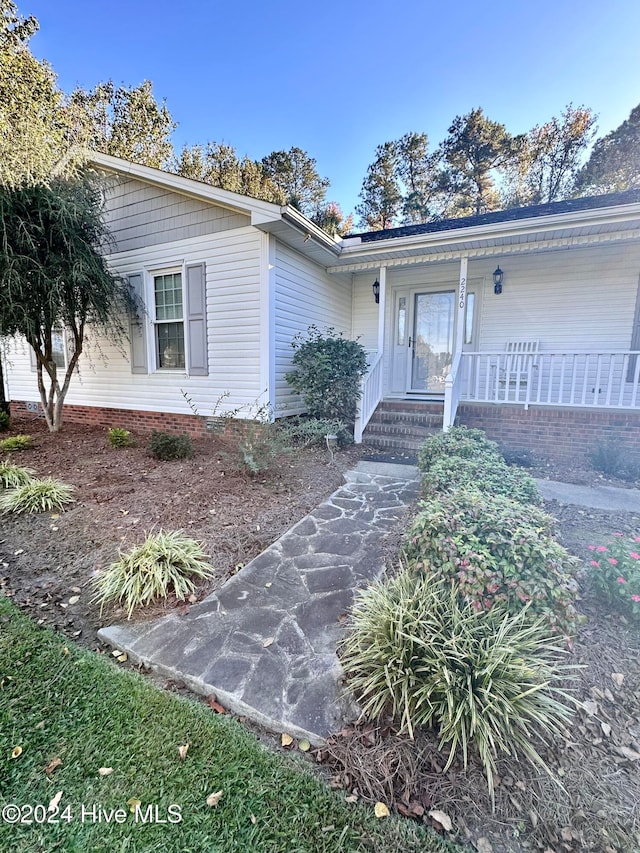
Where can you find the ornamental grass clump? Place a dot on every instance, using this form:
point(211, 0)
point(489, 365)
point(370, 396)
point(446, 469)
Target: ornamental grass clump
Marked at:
point(15, 442)
point(488, 682)
point(165, 561)
point(12, 476)
point(485, 473)
point(615, 573)
point(497, 551)
point(458, 441)
point(37, 496)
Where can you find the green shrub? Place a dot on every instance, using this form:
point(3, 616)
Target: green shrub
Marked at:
point(615, 572)
point(304, 432)
point(485, 473)
point(15, 442)
point(167, 445)
point(457, 441)
point(12, 476)
point(327, 372)
point(259, 445)
point(497, 551)
point(164, 561)
point(5, 421)
point(486, 680)
point(37, 496)
point(119, 437)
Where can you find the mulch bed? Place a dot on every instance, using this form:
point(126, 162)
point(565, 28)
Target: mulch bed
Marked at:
point(46, 560)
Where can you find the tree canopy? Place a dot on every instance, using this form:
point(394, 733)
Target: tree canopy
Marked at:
point(54, 278)
point(614, 164)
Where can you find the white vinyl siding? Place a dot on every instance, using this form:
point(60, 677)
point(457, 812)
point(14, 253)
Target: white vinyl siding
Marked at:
point(576, 299)
point(305, 295)
point(141, 215)
point(232, 262)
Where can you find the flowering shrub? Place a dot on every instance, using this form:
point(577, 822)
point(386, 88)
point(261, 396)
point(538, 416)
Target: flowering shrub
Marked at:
point(616, 572)
point(497, 550)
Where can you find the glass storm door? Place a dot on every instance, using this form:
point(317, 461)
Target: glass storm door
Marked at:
point(431, 345)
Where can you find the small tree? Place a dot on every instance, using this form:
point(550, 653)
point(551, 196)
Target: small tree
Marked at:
point(327, 373)
point(53, 277)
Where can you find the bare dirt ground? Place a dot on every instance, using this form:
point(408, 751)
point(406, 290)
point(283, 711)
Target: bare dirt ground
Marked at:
point(121, 494)
point(48, 559)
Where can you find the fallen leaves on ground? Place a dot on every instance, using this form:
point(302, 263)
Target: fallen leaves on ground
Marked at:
point(380, 810)
point(214, 799)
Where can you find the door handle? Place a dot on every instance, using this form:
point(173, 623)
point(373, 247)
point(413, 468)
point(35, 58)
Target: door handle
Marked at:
point(410, 342)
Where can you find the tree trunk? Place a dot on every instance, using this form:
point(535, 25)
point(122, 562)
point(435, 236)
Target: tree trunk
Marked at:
point(5, 406)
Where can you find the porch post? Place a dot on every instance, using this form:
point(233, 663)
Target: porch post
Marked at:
point(462, 301)
point(382, 278)
point(452, 382)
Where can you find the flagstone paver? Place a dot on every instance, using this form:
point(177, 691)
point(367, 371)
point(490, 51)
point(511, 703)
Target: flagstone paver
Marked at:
point(265, 642)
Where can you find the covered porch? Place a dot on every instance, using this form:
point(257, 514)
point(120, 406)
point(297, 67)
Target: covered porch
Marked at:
point(539, 312)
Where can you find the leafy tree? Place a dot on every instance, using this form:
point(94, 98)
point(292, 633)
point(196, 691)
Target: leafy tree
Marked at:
point(547, 160)
point(218, 164)
point(34, 134)
point(419, 176)
point(294, 173)
point(332, 220)
point(614, 164)
point(53, 275)
point(125, 122)
point(474, 149)
point(381, 194)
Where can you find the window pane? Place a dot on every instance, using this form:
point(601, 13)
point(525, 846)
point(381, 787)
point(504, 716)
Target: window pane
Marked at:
point(57, 348)
point(468, 319)
point(402, 320)
point(168, 293)
point(170, 344)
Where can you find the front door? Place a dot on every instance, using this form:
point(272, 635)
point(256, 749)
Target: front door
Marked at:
point(430, 350)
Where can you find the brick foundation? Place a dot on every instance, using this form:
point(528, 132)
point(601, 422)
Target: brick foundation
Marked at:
point(134, 420)
point(563, 434)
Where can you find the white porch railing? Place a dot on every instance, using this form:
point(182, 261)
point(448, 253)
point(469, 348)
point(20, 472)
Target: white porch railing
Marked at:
point(371, 394)
point(606, 379)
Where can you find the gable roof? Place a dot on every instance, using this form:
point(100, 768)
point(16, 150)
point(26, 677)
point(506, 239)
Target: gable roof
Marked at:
point(285, 221)
point(510, 215)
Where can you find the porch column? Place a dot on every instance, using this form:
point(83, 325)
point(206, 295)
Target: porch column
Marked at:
point(382, 278)
point(462, 301)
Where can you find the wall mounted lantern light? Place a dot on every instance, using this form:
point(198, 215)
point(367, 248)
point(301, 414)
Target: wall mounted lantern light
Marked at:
point(498, 275)
point(376, 291)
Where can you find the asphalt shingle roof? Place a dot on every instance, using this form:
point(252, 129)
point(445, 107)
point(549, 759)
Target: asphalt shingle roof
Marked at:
point(513, 214)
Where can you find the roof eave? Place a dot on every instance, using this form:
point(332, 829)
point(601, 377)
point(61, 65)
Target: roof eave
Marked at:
point(511, 228)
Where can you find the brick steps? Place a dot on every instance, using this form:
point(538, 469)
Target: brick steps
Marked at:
point(403, 424)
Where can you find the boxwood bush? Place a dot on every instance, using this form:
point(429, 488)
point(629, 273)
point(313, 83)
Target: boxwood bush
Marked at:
point(497, 551)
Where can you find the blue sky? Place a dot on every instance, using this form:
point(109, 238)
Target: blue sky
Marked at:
point(338, 79)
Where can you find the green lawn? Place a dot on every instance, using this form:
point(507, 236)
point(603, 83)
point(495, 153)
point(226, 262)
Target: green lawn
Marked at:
point(60, 702)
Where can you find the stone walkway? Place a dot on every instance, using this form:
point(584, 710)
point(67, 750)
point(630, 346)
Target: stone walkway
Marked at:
point(265, 643)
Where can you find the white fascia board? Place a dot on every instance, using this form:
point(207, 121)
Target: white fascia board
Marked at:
point(299, 220)
point(187, 186)
point(618, 214)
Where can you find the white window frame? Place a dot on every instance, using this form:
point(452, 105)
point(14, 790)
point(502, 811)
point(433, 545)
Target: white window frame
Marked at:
point(152, 274)
point(61, 333)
